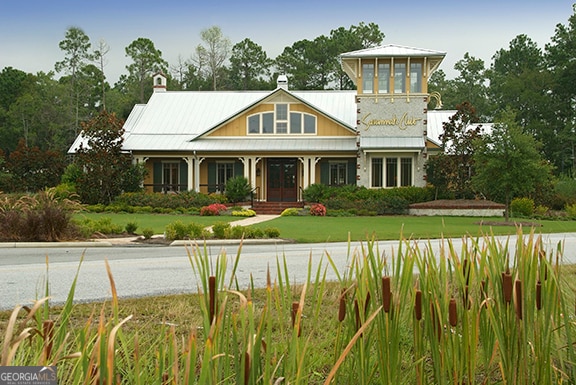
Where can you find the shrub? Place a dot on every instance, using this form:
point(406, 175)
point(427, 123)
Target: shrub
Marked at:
point(131, 227)
point(571, 210)
point(237, 189)
point(147, 233)
point(237, 232)
point(271, 232)
point(318, 210)
point(315, 193)
point(522, 207)
point(541, 211)
point(213, 209)
point(244, 213)
point(290, 212)
point(221, 230)
point(102, 225)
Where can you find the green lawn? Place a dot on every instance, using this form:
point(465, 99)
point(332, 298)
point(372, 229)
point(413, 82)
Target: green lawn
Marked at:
point(336, 229)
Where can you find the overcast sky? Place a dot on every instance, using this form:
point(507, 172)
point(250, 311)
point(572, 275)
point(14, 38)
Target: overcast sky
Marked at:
point(30, 30)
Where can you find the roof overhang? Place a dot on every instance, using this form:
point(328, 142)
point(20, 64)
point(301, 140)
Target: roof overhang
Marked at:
point(392, 144)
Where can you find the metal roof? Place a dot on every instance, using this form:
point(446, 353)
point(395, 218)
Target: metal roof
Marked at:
point(392, 50)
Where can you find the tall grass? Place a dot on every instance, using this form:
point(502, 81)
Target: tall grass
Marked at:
point(478, 315)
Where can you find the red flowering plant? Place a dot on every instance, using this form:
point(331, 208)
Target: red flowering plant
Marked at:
point(213, 209)
point(318, 210)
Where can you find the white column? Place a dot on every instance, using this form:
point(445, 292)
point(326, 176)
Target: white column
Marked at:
point(313, 162)
point(190, 162)
point(197, 174)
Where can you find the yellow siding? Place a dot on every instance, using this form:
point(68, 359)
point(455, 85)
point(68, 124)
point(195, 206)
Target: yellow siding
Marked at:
point(325, 126)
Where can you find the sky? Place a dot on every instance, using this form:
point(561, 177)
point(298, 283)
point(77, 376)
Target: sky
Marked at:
point(30, 30)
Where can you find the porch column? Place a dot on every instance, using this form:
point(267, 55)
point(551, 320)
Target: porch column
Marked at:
point(313, 162)
point(306, 171)
point(197, 173)
point(190, 162)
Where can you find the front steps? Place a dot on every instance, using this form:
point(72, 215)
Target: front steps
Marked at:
point(274, 208)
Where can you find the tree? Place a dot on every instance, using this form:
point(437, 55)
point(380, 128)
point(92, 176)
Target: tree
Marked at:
point(508, 162)
point(105, 166)
point(470, 86)
point(32, 169)
point(76, 46)
point(100, 58)
point(249, 66)
point(147, 60)
point(451, 171)
point(213, 54)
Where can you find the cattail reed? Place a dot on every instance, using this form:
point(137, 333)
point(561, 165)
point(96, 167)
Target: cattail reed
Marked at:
point(436, 321)
point(357, 313)
point(48, 331)
point(518, 285)
point(507, 286)
point(538, 295)
point(212, 294)
point(342, 307)
point(367, 303)
point(452, 313)
point(246, 367)
point(295, 308)
point(386, 294)
point(418, 305)
point(483, 288)
point(466, 271)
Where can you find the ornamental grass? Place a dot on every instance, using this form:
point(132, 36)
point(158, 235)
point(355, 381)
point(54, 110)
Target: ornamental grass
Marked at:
point(484, 314)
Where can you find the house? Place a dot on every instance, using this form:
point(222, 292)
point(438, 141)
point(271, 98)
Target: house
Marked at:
point(284, 140)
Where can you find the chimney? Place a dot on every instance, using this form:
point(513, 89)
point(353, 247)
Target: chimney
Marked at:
point(282, 82)
point(159, 82)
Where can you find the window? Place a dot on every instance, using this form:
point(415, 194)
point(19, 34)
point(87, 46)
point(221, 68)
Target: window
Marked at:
point(338, 172)
point(399, 78)
point(171, 176)
point(377, 172)
point(282, 121)
point(415, 77)
point(391, 172)
point(367, 78)
point(406, 172)
point(383, 78)
point(224, 171)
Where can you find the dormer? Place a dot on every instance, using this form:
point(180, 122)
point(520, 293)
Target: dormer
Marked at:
point(391, 69)
point(159, 82)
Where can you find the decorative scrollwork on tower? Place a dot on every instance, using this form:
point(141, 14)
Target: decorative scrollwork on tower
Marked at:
point(438, 98)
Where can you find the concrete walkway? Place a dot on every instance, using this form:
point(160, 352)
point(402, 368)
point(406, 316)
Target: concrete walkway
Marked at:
point(108, 242)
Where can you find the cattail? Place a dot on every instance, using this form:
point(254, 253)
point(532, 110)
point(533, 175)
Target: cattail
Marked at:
point(466, 271)
point(507, 286)
point(518, 285)
point(268, 279)
point(342, 307)
point(452, 313)
point(418, 305)
point(386, 293)
point(246, 367)
point(538, 295)
point(436, 321)
point(48, 330)
point(212, 294)
point(295, 308)
point(367, 303)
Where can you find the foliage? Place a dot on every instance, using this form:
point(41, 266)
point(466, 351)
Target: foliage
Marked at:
point(508, 163)
point(318, 210)
point(213, 209)
point(146, 60)
point(237, 189)
point(473, 316)
point(38, 217)
point(107, 170)
point(147, 233)
point(244, 213)
point(183, 200)
point(522, 207)
point(249, 67)
point(102, 225)
point(451, 171)
point(316, 192)
point(213, 54)
point(131, 227)
point(565, 191)
point(290, 212)
point(179, 230)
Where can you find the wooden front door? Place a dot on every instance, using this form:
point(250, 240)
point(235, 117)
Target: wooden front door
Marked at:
point(282, 183)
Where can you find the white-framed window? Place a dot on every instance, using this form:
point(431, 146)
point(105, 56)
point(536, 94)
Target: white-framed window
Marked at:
point(392, 171)
point(224, 171)
point(383, 78)
point(171, 176)
point(367, 78)
point(282, 121)
point(399, 78)
point(415, 77)
point(338, 173)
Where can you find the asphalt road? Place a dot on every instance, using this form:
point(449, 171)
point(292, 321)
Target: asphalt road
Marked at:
point(146, 270)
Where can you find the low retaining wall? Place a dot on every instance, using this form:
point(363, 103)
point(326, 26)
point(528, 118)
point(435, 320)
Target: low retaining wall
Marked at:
point(462, 208)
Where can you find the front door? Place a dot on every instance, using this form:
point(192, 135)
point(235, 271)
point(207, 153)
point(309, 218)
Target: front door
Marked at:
point(282, 183)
